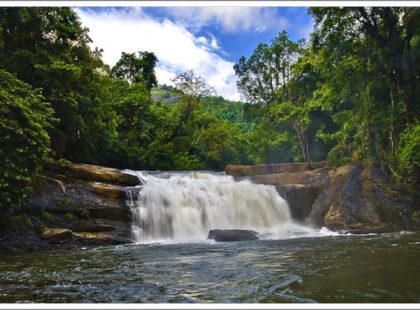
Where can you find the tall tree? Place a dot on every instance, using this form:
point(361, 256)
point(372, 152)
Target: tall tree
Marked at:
point(48, 49)
point(135, 69)
point(369, 59)
point(267, 70)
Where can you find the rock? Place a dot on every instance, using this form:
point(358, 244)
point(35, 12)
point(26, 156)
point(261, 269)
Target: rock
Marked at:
point(299, 198)
point(80, 198)
point(57, 235)
point(227, 235)
point(312, 177)
point(361, 198)
point(278, 178)
point(100, 238)
point(92, 227)
point(101, 174)
point(109, 190)
point(264, 169)
point(350, 197)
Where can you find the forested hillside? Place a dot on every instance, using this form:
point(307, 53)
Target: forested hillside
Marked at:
point(349, 94)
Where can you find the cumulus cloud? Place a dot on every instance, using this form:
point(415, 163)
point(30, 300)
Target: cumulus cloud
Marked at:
point(176, 47)
point(231, 19)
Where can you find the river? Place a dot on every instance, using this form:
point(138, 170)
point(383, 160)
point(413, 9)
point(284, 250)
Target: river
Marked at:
point(172, 262)
point(346, 268)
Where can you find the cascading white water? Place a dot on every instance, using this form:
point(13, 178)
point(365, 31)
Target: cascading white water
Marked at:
point(185, 206)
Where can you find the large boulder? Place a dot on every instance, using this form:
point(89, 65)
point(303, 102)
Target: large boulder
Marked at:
point(229, 235)
point(101, 174)
point(364, 199)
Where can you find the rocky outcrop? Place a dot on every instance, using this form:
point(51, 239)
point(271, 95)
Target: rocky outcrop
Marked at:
point(81, 205)
point(351, 197)
point(231, 235)
point(361, 198)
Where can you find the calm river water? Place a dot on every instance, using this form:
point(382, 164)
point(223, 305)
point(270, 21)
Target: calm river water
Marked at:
point(347, 268)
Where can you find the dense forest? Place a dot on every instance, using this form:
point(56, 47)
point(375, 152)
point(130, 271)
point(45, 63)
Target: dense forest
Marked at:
point(349, 94)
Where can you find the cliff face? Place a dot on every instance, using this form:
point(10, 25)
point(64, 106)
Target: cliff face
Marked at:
point(78, 205)
point(350, 197)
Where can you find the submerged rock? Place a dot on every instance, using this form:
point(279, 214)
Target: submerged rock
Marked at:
point(228, 235)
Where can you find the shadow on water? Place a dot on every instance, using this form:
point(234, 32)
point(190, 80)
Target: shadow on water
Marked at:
point(363, 268)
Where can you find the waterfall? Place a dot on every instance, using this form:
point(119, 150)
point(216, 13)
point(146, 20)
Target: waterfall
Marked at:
point(186, 205)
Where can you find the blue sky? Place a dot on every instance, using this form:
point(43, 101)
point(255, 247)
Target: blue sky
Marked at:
point(208, 40)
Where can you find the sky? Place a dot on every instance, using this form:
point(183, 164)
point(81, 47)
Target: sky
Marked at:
point(207, 40)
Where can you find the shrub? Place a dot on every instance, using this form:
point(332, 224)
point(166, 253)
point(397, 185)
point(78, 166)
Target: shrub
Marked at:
point(409, 153)
point(24, 144)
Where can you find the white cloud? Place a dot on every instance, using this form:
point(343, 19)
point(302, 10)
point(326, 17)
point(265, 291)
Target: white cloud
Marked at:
point(214, 43)
point(232, 19)
point(177, 48)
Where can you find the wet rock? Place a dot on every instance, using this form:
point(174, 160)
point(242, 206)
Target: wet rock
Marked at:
point(57, 235)
point(228, 235)
point(299, 198)
point(349, 197)
point(100, 238)
point(101, 174)
point(360, 198)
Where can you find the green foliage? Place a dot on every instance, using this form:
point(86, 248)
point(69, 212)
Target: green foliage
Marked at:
point(24, 121)
point(66, 201)
point(20, 222)
point(135, 69)
point(409, 152)
point(49, 49)
point(371, 92)
point(84, 212)
point(45, 215)
point(267, 70)
point(69, 216)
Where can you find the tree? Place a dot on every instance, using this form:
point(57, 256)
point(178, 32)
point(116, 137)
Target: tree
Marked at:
point(369, 63)
point(191, 88)
point(135, 69)
point(49, 49)
point(188, 84)
point(24, 145)
point(267, 70)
